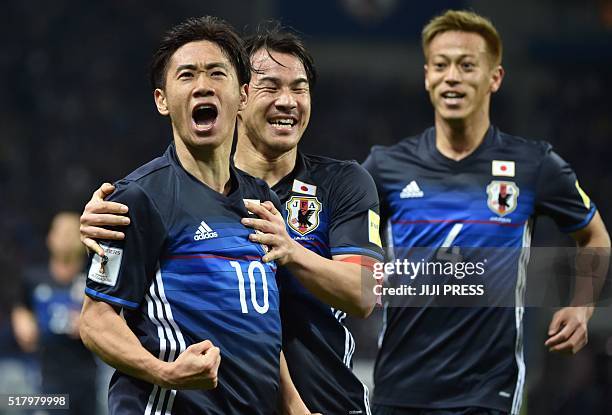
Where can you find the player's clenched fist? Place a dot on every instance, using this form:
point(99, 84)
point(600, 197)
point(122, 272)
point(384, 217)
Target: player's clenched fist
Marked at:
point(195, 368)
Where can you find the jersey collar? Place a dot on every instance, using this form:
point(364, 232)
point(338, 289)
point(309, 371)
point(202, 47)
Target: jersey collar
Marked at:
point(432, 151)
point(235, 183)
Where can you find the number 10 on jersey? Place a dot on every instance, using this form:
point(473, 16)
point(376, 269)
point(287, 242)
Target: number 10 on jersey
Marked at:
point(253, 265)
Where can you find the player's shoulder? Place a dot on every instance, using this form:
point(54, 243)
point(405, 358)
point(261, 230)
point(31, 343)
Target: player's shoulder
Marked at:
point(531, 146)
point(330, 170)
point(151, 180)
point(404, 146)
point(404, 151)
point(143, 174)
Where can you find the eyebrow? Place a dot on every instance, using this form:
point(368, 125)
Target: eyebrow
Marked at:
point(276, 80)
point(464, 55)
point(208, 66)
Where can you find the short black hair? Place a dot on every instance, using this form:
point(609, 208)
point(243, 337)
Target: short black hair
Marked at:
point(194, 29)
point(273, 36)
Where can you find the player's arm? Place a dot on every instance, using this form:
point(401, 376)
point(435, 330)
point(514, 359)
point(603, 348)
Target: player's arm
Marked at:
point(106, 333)
point(119, 279)
point(290, 401)
point(345, 281)
point(25, 328)
point(559, 196)
point(568, 330)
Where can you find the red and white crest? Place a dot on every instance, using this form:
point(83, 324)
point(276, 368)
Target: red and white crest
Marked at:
point(303, 213)
point(502, 197)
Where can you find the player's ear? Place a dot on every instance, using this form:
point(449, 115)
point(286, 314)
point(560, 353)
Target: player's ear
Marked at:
point(160, 101)
point(426, 80)
point(244, 96)
point(496, 78)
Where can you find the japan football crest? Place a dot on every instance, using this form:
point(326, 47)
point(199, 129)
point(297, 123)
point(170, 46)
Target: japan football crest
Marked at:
point(502, 197)
point(303, 213)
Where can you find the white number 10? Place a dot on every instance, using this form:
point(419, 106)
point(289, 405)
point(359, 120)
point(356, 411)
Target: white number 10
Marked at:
point(261, 309)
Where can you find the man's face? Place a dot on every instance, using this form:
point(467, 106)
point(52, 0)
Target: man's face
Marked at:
point(460, 75)
point(278, 109)
point(202, 95)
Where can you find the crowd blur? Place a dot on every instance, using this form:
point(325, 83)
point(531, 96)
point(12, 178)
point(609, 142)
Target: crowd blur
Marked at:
point(77, 110)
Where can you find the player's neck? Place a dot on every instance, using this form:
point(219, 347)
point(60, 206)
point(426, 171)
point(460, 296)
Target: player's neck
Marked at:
point(210, 166)
point(457, 140)
point(269, 167)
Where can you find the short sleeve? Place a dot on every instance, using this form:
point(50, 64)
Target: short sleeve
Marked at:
point(370, 165)
point(122, 280)
point(355, 221)
point(559, 195)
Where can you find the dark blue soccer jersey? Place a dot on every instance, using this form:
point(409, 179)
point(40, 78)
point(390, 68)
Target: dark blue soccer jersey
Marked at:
point(331, 208)
point(444, 357)
point(186, 272)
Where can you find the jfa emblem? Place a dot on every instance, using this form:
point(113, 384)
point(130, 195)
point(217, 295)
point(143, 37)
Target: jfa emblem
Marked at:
point(503, 197)
point(303, 214)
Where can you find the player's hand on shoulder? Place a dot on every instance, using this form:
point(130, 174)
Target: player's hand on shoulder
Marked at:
point(271, 232)
point(196, 368)
point(568, 330)
point(99, 213)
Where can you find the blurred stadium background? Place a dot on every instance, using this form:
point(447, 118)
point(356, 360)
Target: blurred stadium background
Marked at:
point(76, 110)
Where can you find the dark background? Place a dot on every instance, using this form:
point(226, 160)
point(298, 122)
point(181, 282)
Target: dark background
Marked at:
point(77, 109)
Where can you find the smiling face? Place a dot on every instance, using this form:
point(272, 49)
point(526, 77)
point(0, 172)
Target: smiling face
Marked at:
point(202, 95)
point(278, 108)
point(460, 76)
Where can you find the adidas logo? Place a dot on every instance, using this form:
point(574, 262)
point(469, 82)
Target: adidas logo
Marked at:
point(411, 190)
point(204, 232)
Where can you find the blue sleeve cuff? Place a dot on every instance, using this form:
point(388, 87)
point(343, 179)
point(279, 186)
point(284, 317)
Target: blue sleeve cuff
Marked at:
point(110, 299)
point(582, 224)
point(356, 251)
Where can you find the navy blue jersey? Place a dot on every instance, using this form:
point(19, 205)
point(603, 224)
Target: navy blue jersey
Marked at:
point(186, 272)
point(443, 357)
point(331, 208)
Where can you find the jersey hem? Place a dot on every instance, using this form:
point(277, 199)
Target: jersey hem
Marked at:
point(466, 404)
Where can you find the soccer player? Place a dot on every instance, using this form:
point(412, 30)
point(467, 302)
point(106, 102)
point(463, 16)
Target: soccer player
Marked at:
point(48, 319)
point(327, 238)
point(463, 183)
point(187, 280)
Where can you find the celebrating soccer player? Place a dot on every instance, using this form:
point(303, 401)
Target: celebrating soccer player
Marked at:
point(189, 283)
point(464, 183)
point(327, 238)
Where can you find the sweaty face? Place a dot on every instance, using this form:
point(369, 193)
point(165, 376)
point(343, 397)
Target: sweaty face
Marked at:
point(202, 95)
point(460, 75)
point(278, 109)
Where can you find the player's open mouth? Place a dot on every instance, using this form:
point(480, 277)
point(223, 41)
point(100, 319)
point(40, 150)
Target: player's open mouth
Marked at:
point(282, 123)
point(452, 97)
point(204, 116)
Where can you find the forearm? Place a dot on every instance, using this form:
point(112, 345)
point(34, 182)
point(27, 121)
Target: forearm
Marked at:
point(290, 401)
point(592, 261)
point(343, 285)
point(105, 333)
